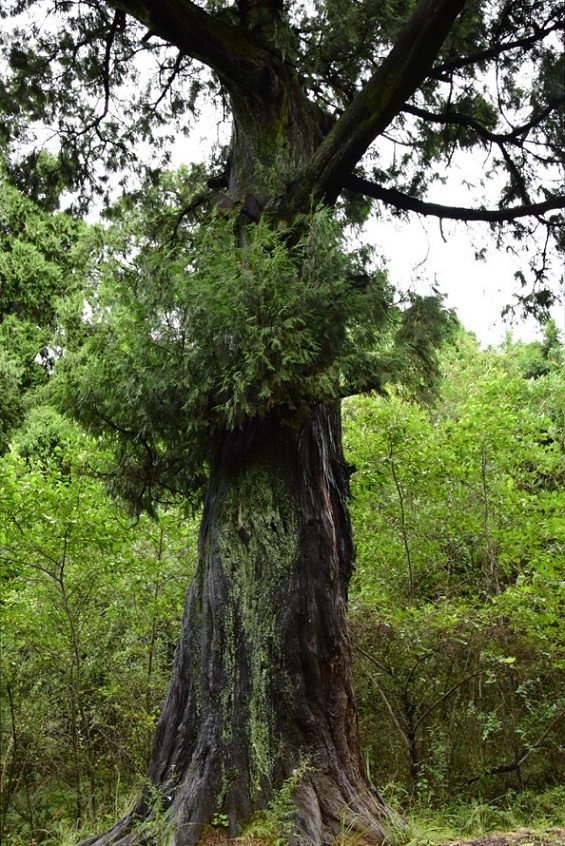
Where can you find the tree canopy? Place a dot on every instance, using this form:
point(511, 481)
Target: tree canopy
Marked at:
point(396, 92)
point(190, 334)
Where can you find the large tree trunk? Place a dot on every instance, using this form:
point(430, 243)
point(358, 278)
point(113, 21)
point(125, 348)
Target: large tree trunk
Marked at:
point(262, 685)
point(262, 689)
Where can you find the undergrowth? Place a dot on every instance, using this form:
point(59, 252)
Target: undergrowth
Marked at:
point(424, 825)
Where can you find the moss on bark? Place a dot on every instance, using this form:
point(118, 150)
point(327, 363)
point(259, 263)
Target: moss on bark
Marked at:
point(262, 677)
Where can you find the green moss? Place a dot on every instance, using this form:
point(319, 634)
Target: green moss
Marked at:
point(258, 542)
point(380, 94)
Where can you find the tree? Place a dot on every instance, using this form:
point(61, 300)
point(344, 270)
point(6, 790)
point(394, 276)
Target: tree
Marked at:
point(39, 259)
point(262, 686)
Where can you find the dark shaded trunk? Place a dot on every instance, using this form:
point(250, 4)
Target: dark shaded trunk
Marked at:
point(262, 681)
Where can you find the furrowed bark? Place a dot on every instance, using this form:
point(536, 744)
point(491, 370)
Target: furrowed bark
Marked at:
point(262, 685)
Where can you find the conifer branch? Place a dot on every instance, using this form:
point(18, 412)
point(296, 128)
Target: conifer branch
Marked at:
point(404, 202)
point(378, 102)
point(456, 118)
point(196, 33)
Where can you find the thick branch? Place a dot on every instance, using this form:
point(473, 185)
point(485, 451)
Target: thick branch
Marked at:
point(117, 23)
point(224, 48)
point(378, 102)
point(406, 203)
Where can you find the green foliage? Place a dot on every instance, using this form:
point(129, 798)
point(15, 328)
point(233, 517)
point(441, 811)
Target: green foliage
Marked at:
point(275, 823)
point(10, 397)
point(40, 260)
point(89, 617)
point(539, 358)
point(456, 610)
point(537, 814)
point(42, 179)
point(192, 329)
point(38, 256)
point(458, 514)
point(44, 436)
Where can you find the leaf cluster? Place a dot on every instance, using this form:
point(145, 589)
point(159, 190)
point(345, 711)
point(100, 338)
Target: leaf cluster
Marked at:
point(192, 329)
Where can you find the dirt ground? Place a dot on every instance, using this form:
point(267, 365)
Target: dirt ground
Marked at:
point(550, 837)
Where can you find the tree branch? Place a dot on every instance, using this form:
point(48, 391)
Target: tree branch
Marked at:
point(383, 696)
point(460, 119)
point(519, 759)
point(116, 24)
point(395, 198)
point(224, 48)
point(378, 102)
point(439, 71)
point(444, 696)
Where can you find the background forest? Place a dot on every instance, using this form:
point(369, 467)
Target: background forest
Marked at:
point(456, 604)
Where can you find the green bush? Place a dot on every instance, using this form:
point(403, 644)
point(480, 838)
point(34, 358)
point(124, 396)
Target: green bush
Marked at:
point(90, 614)
point(456, 602)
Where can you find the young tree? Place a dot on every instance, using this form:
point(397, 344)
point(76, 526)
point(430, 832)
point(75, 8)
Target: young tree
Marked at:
point(327, 102)
point(88, 612)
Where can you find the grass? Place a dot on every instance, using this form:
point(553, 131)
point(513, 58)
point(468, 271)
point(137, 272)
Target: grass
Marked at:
point(425, 826)
point(535, 812)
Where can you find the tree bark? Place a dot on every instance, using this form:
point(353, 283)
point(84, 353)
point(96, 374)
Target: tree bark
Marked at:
point(262, 685)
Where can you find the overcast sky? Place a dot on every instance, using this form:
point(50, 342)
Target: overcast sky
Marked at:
point(419, 256)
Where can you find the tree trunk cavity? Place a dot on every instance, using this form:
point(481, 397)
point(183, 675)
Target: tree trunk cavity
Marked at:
point(262, 684)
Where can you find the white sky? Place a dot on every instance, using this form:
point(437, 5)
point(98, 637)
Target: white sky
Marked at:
point(419, 257)
point(424, 251)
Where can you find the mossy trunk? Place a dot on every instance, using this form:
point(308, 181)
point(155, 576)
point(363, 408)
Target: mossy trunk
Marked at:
point(262, 691)
point(262, 685)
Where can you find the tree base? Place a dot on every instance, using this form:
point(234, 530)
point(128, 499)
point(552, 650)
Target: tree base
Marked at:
point(319, 816)
point(261, 702)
